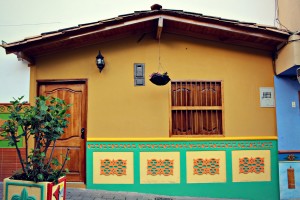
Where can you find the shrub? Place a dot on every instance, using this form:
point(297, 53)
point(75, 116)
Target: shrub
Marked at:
point(45, 123)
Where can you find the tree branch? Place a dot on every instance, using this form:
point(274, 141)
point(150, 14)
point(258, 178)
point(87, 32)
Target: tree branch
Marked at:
point(50, 158)
point(63, 165)
point(19, 153)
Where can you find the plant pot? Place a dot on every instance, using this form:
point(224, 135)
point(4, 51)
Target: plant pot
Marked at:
point(160, 79)
point(29, 190)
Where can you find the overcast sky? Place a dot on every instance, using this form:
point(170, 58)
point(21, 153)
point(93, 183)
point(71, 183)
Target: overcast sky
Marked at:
point(23, 18)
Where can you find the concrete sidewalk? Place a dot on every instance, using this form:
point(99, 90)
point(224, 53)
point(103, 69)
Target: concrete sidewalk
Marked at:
point(84, 194)
point(101, 194)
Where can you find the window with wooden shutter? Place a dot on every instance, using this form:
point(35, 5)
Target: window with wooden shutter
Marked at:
point(196, 108)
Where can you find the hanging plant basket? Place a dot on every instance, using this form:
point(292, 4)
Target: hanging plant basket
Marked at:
point(160, 79)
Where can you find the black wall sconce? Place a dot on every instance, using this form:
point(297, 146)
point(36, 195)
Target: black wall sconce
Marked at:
point(100, 62)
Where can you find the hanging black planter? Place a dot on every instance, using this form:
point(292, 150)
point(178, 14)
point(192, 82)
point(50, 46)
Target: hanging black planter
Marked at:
point(160, 79)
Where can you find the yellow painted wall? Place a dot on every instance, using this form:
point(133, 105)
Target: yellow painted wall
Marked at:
point(116, 108)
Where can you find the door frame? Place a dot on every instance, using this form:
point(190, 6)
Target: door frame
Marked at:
point(84, 117)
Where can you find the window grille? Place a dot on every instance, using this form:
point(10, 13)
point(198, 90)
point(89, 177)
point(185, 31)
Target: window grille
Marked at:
point(196, 108)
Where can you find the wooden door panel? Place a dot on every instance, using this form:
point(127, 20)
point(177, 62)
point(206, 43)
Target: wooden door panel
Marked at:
point(74, 98)
point(59, 154)
point(69, 142)
point(74, 166)
point(74, 94)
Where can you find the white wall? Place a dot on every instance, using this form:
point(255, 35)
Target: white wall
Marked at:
point(20, 19)
point(14, 78)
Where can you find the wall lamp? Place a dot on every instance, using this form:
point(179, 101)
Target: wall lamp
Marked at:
point(100, 62)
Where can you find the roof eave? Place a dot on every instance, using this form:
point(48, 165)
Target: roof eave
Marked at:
point(231, 27)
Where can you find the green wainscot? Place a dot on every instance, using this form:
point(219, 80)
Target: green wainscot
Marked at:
point(4, 143)
point(237, 169)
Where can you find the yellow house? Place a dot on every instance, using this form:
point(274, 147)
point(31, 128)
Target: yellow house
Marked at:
point(209, 132)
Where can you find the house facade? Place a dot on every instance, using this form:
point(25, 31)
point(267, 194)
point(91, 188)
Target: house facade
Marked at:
point(287, 88)
point(210, 132)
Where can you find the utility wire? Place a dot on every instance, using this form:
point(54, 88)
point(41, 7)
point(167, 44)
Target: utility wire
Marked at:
point(277, 17)
point(35, 24)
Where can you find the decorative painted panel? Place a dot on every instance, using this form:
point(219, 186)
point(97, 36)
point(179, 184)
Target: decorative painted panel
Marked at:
point(206, 166)
point(289, 156)
point(113, 168)
point(18, 190)
point(289, 173)
point(6, 108)
point(251, 165)
point(196, 145)
point(58, 192)
point(23, 196)
point(159, 167)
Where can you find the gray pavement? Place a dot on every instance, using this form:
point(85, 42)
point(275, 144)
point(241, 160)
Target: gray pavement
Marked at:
point(84, 194)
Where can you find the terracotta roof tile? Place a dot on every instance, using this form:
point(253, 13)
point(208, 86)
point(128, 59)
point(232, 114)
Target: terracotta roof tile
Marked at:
point(142, 13)
point(31, 37)
point(210, 17)
point(86, 24)
point(245, 23)
point(274, 29)
point(264, 26)
point(50, 32)
point(51, 35)
point(126, 15)
point(109, 20)
point(181, 11)
point(69, 28)
point(229, 20)
point(193, 13)
point(120, 17)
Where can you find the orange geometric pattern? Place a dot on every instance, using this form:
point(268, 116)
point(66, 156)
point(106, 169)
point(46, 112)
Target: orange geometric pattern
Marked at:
point(206, 166)
point(160, 167)
point(251, 165)
point(113, 167)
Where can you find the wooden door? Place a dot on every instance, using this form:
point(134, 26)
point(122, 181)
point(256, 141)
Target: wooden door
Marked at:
point(74, 137)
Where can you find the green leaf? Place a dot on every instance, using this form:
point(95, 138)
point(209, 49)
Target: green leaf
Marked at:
point(44, 122)
point(40, 176)
point(55, 162)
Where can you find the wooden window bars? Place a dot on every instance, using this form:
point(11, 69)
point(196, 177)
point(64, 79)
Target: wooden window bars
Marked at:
point(196, 108)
